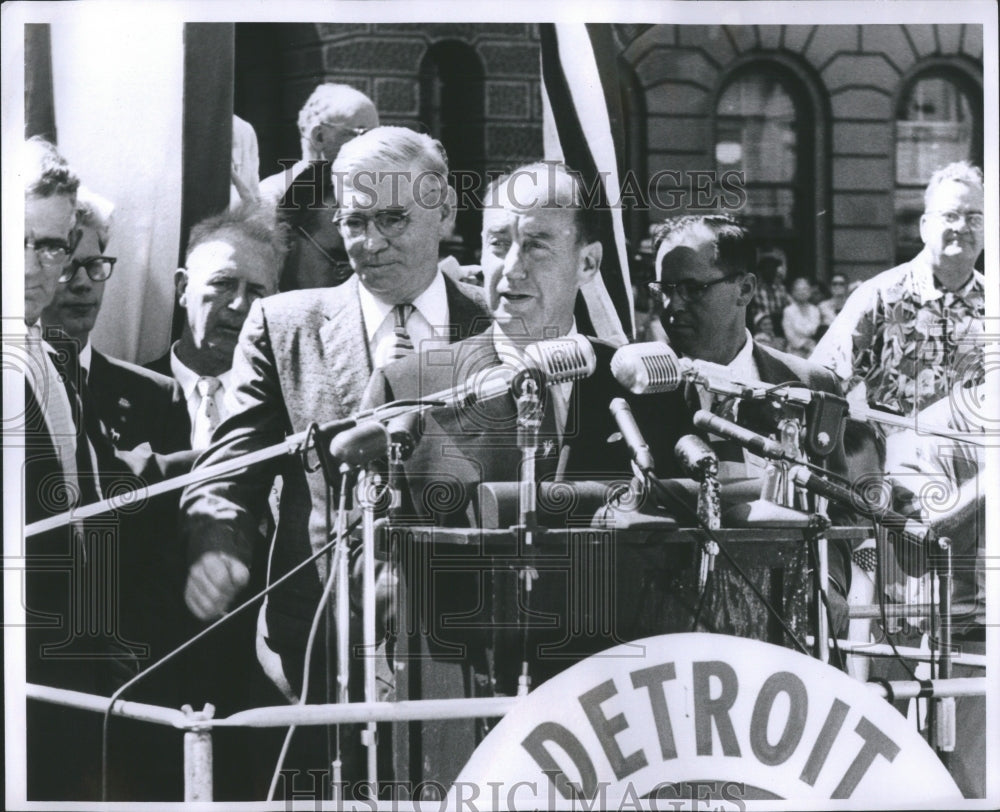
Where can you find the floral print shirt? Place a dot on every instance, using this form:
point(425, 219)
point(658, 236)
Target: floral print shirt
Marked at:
point(903, 342)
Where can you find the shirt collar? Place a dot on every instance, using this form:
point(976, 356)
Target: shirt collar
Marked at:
point(432, 304)
point(743, 366)
point(188, 378)
point(927, 285)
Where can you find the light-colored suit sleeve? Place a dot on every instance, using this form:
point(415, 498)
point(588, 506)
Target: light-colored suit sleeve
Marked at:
point(224, 513)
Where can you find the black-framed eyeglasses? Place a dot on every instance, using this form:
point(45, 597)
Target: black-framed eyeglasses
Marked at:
point(98, 268)
point(974, 219)
point(390, 223)
point(688, 290)
point(51, 253)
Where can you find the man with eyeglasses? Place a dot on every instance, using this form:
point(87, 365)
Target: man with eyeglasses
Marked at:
point(906, 340)
point(72, 641)
point(136, 404)
point(306, 356)
point(331, 116)
point(705, 283)
point(904, 335)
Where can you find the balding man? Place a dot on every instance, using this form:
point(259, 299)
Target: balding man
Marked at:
point(331, 116)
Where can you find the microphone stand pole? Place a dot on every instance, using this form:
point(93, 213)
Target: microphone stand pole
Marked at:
point(369, 485)
point(529, 421)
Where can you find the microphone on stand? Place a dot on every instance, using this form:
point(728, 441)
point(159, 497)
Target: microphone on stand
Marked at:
point(641, 455)
point(913, 532)
point(757, 443)
point(653, 367)
point(701, 463)
point(358, 446)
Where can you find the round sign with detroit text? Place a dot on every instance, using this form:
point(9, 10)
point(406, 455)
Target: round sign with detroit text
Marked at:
point(705, 719)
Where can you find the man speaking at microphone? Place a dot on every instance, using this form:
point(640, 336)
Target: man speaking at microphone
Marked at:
point(704, 280)
point(539, 249)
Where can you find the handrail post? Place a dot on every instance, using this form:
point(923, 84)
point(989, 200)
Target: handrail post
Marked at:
point(198, 756)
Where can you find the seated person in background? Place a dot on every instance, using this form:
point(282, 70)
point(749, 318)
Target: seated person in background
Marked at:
point(136, 405)
point(829, 308)
point(763, 332)
point(315, 257)
point(800, 320)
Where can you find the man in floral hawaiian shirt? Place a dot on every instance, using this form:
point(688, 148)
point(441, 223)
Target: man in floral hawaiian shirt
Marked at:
point(907, 335)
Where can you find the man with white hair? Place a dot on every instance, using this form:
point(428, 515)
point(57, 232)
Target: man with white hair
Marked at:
point(306, 356)
point(331, 116)
point(904, 335)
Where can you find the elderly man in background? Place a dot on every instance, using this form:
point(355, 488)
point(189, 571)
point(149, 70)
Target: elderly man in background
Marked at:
point(904, 335)
point(232, 259)
point(331, 116)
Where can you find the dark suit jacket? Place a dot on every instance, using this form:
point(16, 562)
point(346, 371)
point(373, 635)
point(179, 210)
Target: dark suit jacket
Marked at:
point(161, 365)
point(302, 357)
point(138, 405)
point(461, 448)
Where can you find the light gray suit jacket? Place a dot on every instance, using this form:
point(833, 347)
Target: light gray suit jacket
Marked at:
point(302, 357)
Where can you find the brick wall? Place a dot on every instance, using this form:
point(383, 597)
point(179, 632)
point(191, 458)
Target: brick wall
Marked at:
point(856, 73)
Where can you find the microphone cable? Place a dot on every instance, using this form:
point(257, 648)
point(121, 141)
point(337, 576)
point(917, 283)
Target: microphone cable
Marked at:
point(686, 510)
point(339, 540)
point(170, 656)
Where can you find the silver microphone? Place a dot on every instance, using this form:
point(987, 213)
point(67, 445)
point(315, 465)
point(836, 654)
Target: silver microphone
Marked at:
point(557, 360)
point(563, 359)
point(653, 367)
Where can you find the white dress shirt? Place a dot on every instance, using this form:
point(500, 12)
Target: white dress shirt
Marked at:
point(427, 326)
point(741, 368)
point(188, 380)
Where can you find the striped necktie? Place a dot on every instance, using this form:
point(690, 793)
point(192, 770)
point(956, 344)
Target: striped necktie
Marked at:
point(398, 343)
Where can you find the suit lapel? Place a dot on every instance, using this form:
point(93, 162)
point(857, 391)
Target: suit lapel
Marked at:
point(345, 347)
point(463, 312)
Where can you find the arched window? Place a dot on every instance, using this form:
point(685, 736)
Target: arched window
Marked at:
point(939, 120)
point(764, 128)
point(452, 110)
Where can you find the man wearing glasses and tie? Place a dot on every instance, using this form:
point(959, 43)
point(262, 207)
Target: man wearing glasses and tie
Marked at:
point(136, 404)
point(306, 356)
point(703, 266)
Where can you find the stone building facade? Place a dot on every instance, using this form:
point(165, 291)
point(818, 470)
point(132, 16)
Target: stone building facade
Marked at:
point(835, 128)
